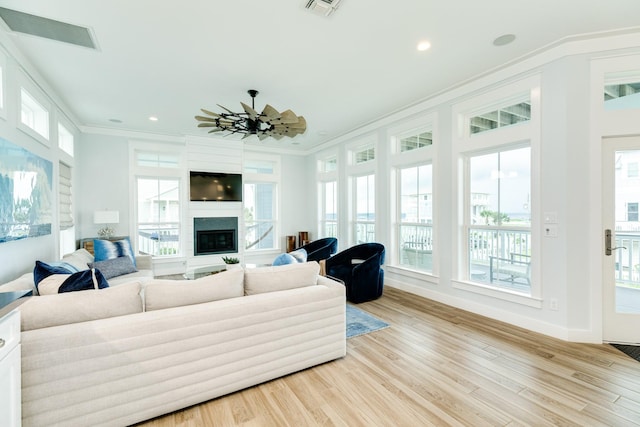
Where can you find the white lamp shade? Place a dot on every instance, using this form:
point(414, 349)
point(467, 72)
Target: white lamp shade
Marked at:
point(106, 217)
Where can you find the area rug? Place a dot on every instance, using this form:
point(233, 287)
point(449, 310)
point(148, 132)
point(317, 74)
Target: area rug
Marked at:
point(360, 323)
point(629, 350)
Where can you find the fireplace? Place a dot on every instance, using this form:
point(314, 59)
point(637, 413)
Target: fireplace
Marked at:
point(217, 235)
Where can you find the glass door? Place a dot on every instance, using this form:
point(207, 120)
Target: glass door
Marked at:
point(621, 240)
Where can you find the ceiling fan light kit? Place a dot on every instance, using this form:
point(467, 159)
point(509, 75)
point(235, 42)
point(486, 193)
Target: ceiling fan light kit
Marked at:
point(268, 123)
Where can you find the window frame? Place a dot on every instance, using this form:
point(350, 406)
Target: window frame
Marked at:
point(178, 172)
point(466, 144)
point(400, 160)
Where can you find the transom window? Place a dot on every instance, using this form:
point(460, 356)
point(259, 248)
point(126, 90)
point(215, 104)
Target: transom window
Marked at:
point(329, 165)
point(622, 90)
point(414, 142)
point(363, 155)
point(33, 114)
point(501, 117)
point(65, 140)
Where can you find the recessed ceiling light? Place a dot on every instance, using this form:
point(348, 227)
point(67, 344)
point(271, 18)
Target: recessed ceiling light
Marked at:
point(504, 39)
point(153, 118)
point(423, 45)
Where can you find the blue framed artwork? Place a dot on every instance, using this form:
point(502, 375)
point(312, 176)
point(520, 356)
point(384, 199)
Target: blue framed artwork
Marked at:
point(26, 182)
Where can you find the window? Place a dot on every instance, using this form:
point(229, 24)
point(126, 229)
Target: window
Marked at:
point(632, 170)
point(632, 212)
point(65, 207)
point(33, 114)
point(158, 216)
point(329, 209)
point(329, 165)
point(157, 160)
point(259, 215)
point(64, 197)
point(260, 201)
point(65, 140)
point(416, 217)
point(365, 215)
point(501, 117)
point(414, 142)
point(499, 212)
point(363, 155)
point(622, 90)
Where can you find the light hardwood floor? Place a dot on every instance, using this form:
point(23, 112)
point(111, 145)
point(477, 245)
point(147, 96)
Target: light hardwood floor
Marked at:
point(439, 366)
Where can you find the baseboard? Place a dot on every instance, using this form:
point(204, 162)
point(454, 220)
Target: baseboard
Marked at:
point(528, 323)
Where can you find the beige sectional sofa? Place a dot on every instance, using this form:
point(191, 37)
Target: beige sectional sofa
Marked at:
point(131, 352)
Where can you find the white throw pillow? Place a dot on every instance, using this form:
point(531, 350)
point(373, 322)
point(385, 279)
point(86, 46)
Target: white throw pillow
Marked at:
point(79, 259)
point(280, 278)
point(159, 294)
point(74, 307)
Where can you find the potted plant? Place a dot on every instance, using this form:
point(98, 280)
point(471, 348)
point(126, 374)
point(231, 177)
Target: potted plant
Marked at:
point(231, 262)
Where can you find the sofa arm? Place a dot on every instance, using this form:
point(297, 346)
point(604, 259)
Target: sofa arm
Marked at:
point(144, 262)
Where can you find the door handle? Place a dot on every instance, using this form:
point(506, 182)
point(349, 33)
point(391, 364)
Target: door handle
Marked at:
point(607, 243)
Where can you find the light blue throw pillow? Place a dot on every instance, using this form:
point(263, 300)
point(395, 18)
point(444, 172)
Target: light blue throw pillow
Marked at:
point(284, 259)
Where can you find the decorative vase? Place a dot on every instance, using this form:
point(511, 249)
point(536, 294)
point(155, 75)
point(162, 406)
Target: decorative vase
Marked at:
point(303, 236)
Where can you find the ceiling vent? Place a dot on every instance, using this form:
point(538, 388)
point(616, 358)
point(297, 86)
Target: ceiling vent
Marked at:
point(322, 7)
point(25, 23)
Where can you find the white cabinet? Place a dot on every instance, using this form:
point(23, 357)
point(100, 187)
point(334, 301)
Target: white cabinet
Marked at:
point(10, 396)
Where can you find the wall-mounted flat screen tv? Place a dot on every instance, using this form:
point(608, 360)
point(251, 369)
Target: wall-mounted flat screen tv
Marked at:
point(215, 187)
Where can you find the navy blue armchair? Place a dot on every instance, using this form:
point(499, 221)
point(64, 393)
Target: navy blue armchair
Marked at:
point(359, 267)
point(321, 249)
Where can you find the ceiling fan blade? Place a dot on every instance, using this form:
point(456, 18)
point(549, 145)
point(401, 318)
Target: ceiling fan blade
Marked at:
point(207, 125)
point(205, 119)
point(262, 136)
point(226, 109)
point(211, 113)
point(215, 130)
point(253, 114)
point(288, 116)
point(269, 114)
point(301, 124)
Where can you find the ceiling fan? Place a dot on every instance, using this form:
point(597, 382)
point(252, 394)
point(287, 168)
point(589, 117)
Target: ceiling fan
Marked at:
point(268, 123)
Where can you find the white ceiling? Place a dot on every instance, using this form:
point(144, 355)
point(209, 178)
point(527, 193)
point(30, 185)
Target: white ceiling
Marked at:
point(168, 59)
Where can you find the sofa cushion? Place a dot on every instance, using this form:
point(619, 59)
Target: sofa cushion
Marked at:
point(60, 309)
point(159, 294)
point(278, 278)
point(53, 280)
point(79, 259)
point(114, 267)
point(106, 249)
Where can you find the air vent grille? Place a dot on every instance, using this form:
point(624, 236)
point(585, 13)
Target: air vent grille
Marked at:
point(25, 23)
